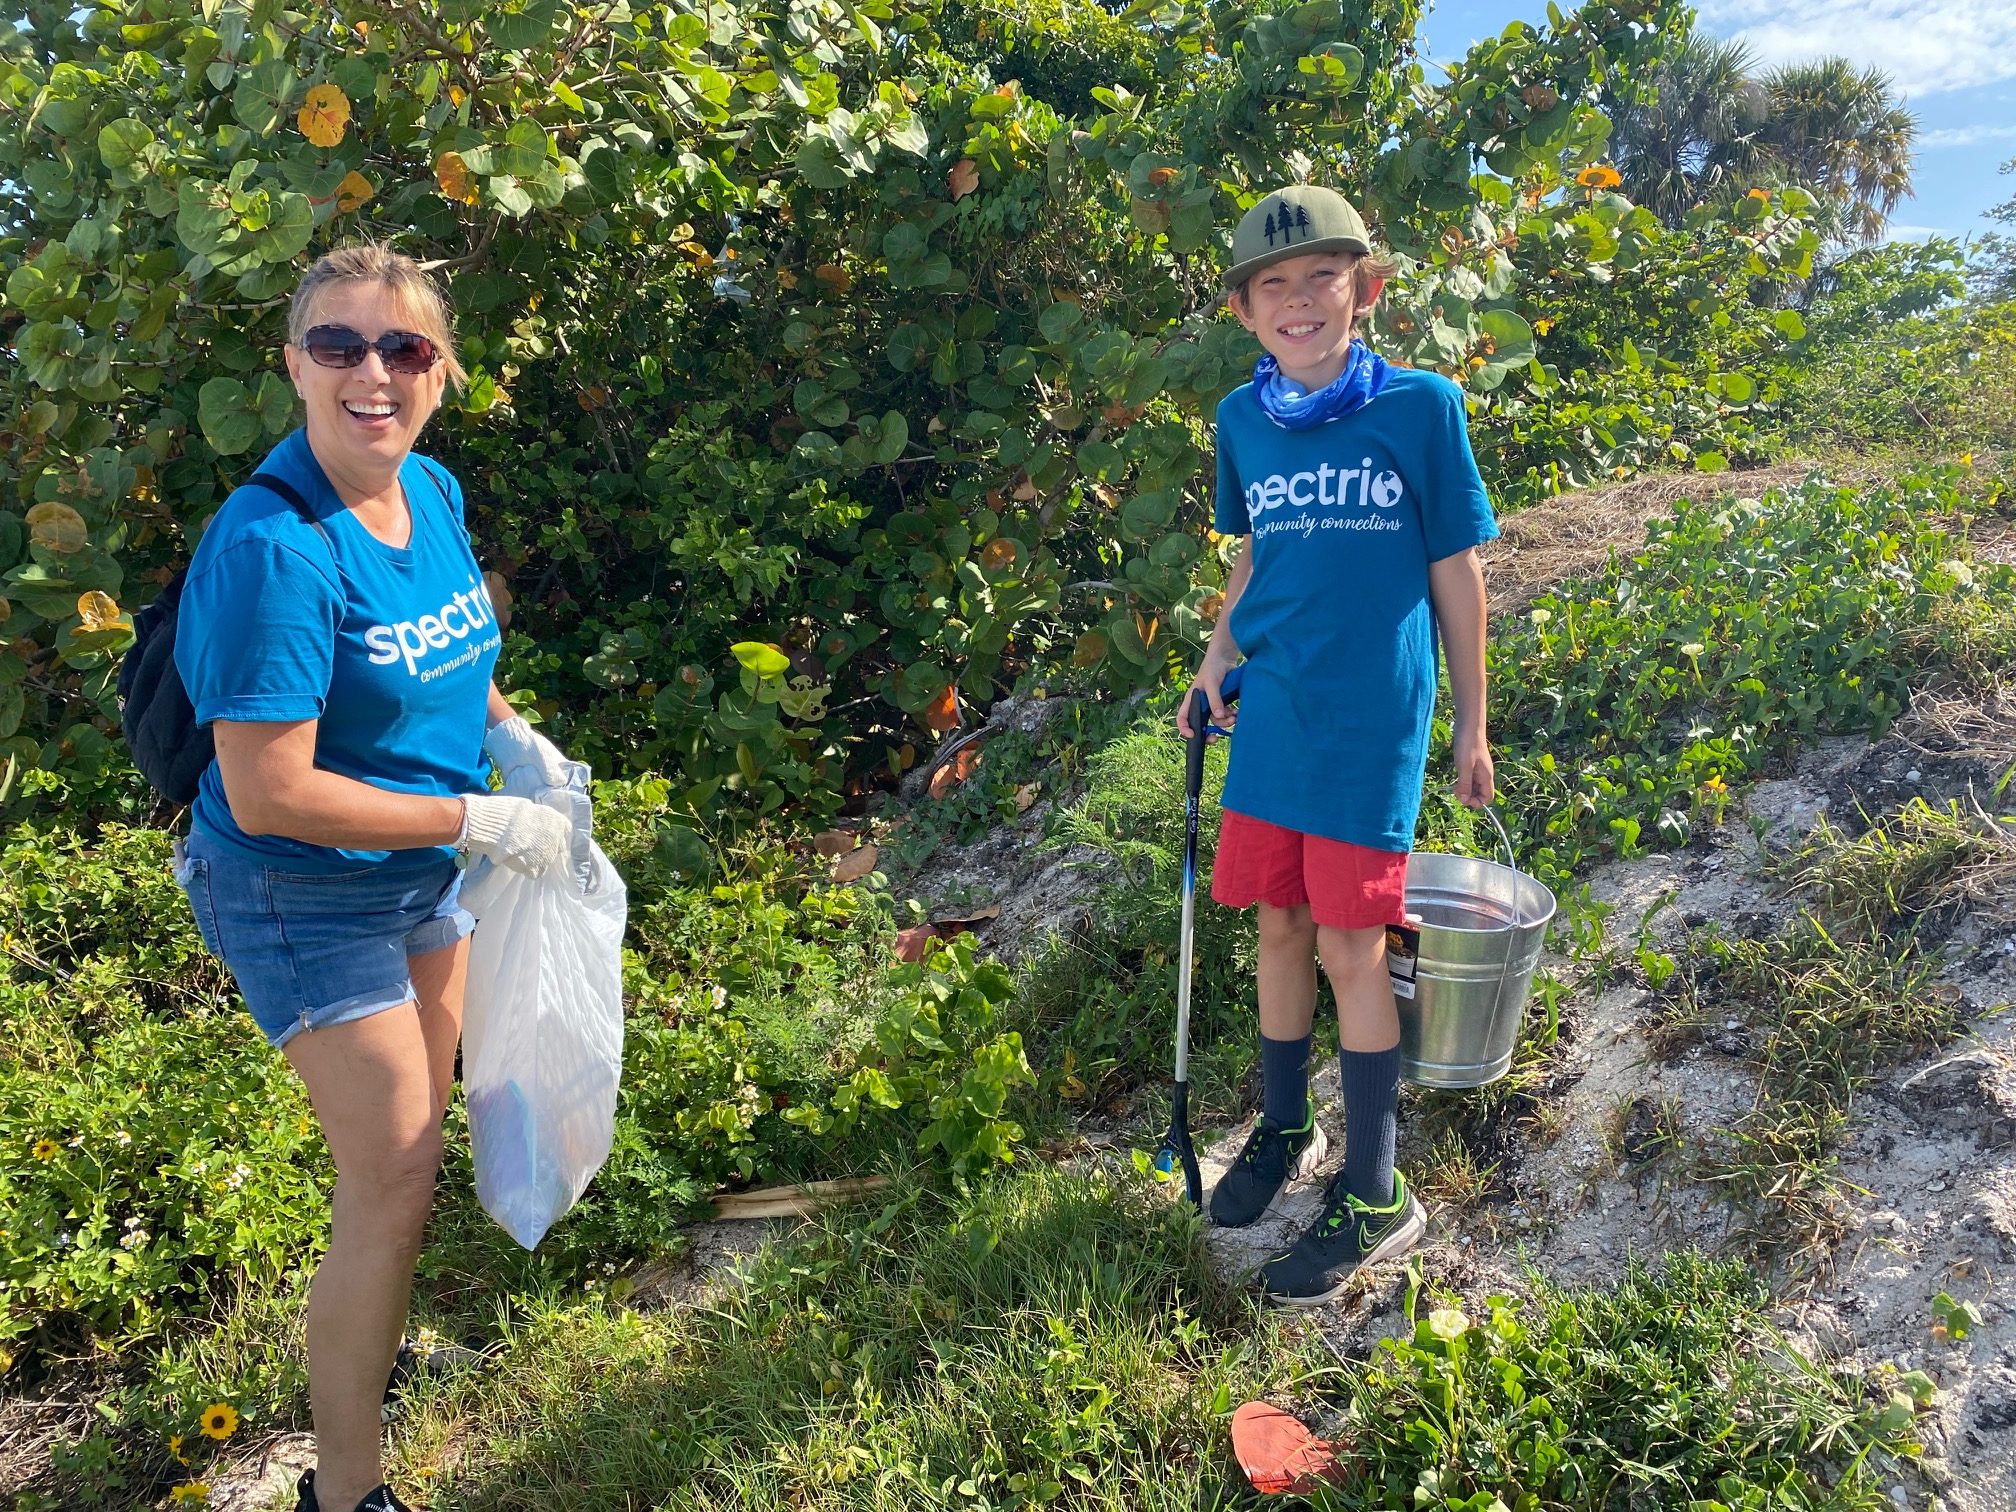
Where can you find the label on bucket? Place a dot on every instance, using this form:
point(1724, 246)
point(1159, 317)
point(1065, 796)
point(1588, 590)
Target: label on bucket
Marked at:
point(1403, 950)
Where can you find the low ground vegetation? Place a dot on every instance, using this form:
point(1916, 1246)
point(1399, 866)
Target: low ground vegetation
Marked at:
point(162, 1181)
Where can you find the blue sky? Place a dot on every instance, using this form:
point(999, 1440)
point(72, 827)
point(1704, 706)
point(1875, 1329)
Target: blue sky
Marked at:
point(1954, 61)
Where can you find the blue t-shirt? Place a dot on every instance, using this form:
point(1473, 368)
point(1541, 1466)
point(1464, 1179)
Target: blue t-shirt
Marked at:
point(389, 648)
point(1336, 621)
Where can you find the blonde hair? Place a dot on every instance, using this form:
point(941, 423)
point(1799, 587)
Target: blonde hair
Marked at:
point(417, 295)
point(1367, 272)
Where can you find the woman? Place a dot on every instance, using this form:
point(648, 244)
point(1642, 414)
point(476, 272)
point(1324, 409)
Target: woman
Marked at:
point(339, 644)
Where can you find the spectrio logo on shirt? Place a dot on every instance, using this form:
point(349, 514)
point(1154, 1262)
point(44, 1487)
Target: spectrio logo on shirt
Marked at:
point(1355, 486)
point(412, 639)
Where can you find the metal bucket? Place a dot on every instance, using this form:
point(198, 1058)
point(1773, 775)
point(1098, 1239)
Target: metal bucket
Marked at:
point(1463, 996)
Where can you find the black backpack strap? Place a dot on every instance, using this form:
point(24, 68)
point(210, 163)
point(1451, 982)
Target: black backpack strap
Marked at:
point(292, 497)
point(436, 478)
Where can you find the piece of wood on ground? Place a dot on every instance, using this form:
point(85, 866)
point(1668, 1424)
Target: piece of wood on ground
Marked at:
point(801, 1200)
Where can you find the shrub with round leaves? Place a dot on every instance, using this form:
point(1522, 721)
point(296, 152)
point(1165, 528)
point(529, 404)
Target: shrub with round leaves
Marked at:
point(853, 329)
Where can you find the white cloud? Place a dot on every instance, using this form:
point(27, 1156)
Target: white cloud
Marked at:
point(1926, 46)
point(1895, 232)
point(1966, 136)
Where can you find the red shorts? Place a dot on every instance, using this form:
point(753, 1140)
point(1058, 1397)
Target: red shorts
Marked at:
point(1346, 886)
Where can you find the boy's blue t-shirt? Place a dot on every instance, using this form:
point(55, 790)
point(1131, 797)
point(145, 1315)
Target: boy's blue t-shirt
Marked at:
point(389, 648)
point(1336, 622)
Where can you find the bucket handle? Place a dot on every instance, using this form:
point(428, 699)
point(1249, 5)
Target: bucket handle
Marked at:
point(1511, 865)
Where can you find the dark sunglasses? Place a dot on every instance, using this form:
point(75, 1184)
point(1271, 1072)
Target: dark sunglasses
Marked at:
point(335, 346)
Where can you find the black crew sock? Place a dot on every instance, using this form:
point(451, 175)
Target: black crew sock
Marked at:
point(1284, 1080)
point(1371, 1088)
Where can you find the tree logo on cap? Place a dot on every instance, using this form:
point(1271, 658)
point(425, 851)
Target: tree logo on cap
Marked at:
point(1291, 219)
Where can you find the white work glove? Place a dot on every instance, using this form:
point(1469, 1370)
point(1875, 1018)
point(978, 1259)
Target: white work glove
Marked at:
point(514, 744)
point(514, 832)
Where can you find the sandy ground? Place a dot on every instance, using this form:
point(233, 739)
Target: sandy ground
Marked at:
point(1928, 1154)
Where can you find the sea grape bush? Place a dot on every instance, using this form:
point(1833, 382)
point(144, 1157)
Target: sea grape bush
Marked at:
point(835, 365)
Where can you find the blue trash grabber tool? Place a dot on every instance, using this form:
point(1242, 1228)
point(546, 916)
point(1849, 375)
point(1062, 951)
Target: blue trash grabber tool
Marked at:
point(1176, 1143)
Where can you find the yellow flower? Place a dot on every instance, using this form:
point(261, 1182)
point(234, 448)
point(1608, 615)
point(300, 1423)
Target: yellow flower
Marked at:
point(1599, 176)
point(1542, 326)
point(219, 1420)
point(191, 1494)
point(45, 1148)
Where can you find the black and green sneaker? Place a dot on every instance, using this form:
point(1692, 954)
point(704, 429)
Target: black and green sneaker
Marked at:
point(1273, 1157)
point(380, 1500)
point(1346, 1235)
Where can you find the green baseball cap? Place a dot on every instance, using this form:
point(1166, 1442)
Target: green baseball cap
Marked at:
point(1293, 221)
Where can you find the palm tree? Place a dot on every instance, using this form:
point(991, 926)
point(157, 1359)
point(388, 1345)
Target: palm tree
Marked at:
point(1691, 129)
point(1707, 125)
point(1838, 130)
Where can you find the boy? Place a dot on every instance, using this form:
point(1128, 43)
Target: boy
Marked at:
point(1356, 487)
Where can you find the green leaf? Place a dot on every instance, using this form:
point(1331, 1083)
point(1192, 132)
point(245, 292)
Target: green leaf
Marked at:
point(275, 404)
point(225, 412)
point(289, 229)
point(509, 196)
point(519, 24)
point(1059, 321)
point(121, 143)
point(1790, 325)
point(895, 436)
point(1710, 462)
point(262, 95)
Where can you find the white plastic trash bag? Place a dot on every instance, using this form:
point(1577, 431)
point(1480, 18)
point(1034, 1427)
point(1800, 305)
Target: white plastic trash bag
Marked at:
point(542, 1030)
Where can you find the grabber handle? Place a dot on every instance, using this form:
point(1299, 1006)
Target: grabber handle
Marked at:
point(1200, 721)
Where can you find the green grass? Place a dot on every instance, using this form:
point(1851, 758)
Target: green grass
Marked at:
point(1048, 1337)
point(1059, 1338)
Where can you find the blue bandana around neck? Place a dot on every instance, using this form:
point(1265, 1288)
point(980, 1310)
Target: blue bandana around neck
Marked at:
point(1291, 407)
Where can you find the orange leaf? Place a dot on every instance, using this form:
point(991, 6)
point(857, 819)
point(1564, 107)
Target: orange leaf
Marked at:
point(963, 765)
point(914, 943)
point(831, 843)
point(835, 277)
point(1161, 176)
point(999, 554)
point(942, 713)
point(498, 591)
point(353, 191)
point(326, 115)
point(856, 864)
point(97, 610)
point(454, 177)
point(962, 179)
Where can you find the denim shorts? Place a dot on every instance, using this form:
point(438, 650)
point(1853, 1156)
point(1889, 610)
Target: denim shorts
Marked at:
point(314, 949)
